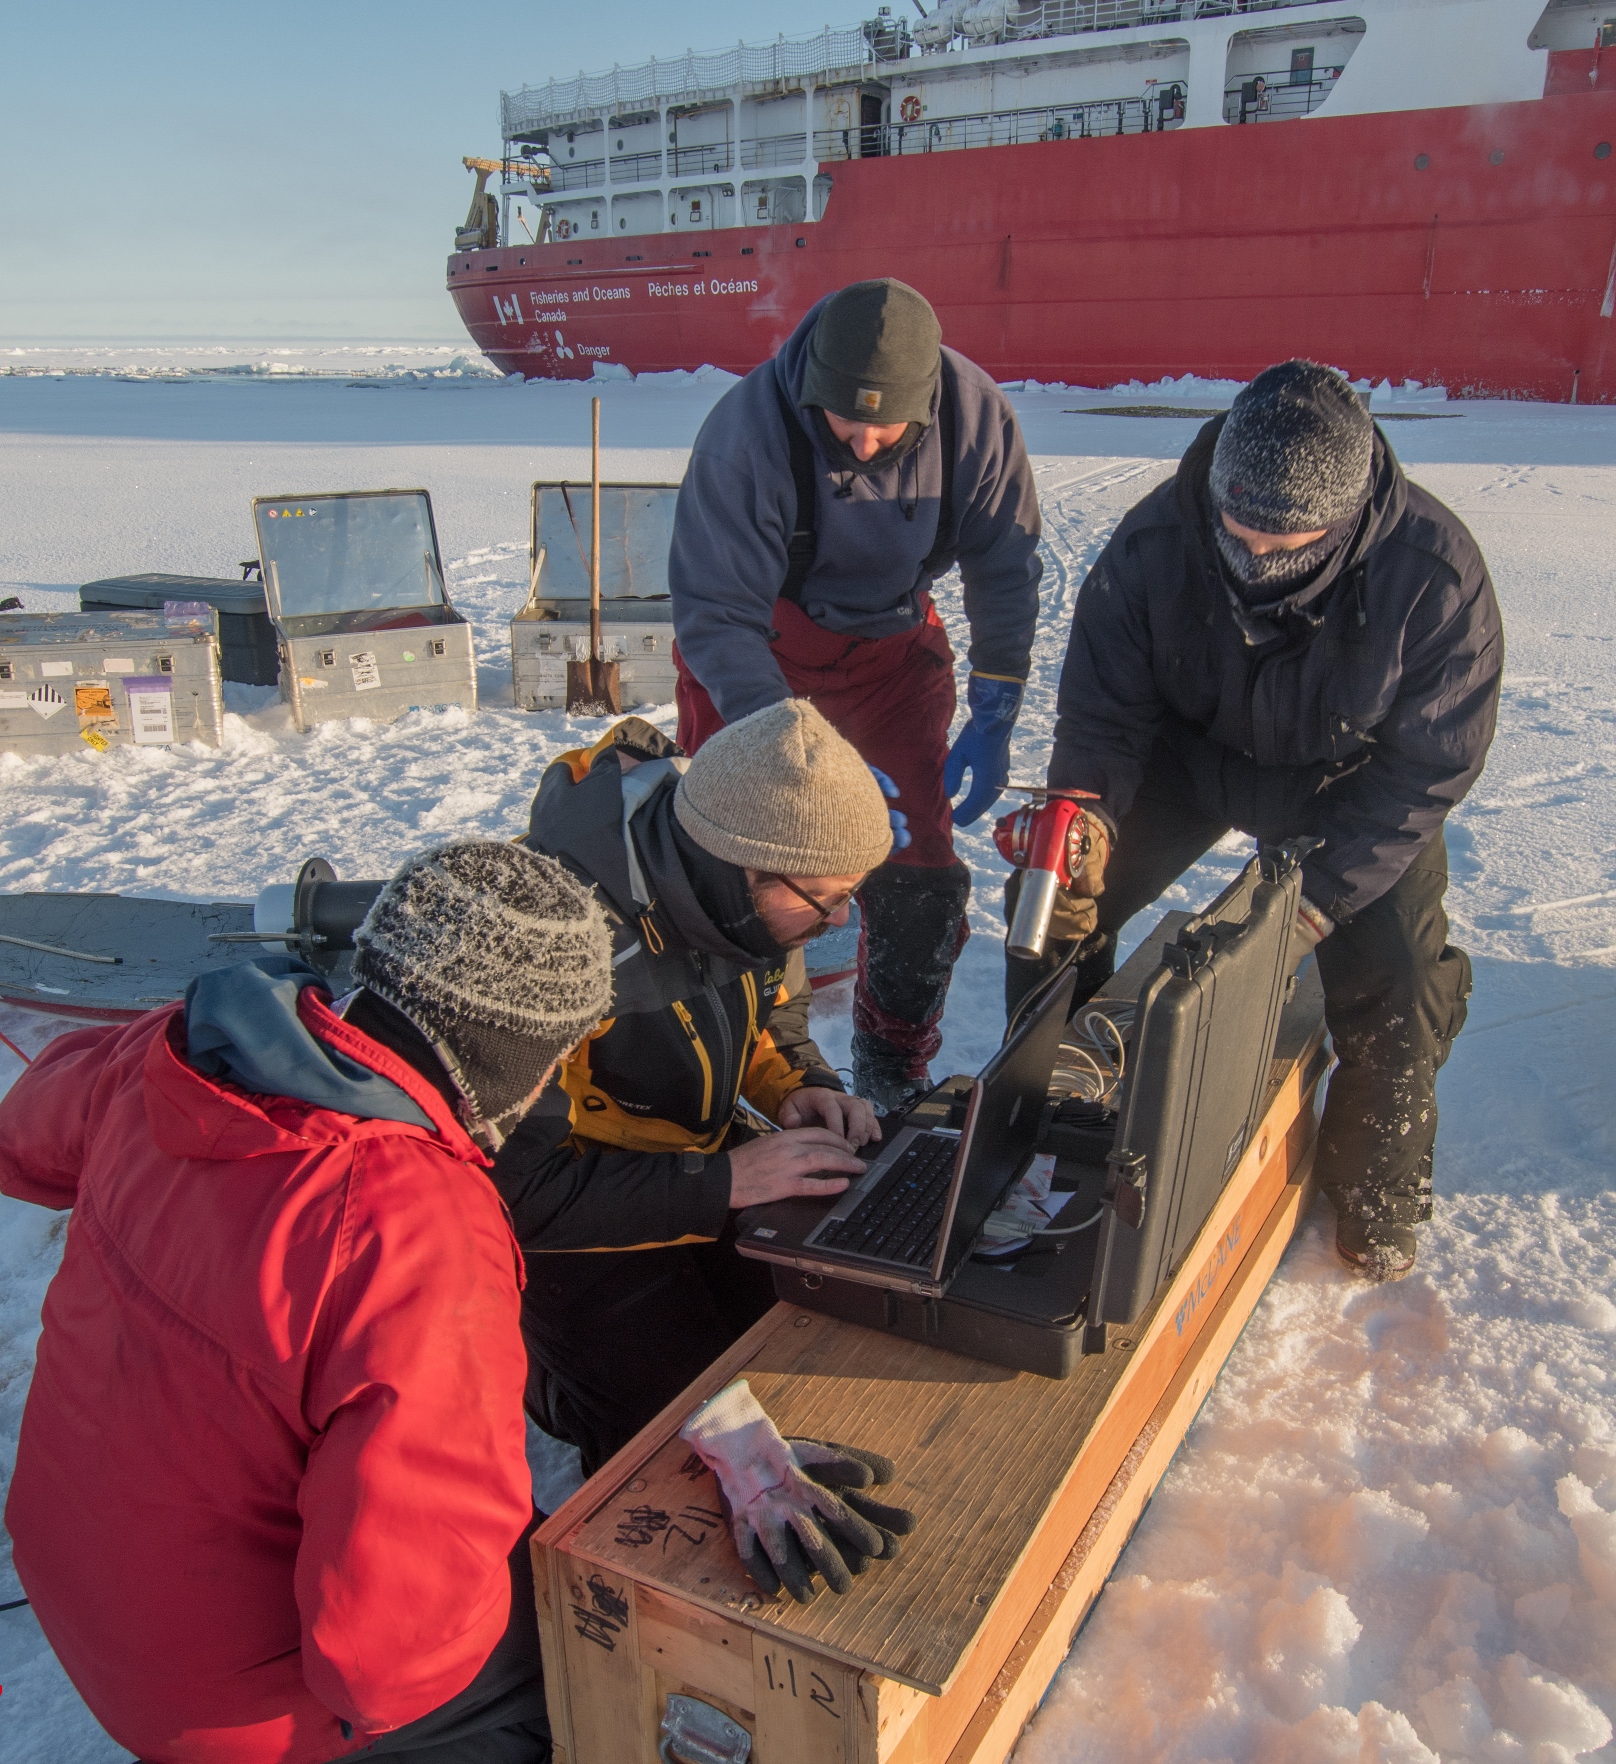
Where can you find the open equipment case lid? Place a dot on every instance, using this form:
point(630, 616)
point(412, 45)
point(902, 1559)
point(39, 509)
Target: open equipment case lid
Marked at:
point(349, 551)
point(636, 534)
point(1196, 1080)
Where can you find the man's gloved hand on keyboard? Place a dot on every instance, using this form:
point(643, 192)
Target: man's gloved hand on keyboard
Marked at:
point(795, 1505)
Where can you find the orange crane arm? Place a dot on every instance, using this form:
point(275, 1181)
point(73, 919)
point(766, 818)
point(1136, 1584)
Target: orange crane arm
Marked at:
point(537, 175)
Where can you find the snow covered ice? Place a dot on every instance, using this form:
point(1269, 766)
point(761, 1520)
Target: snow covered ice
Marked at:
point(1391, 1534)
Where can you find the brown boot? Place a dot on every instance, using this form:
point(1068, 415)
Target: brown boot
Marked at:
point(1375, 1249)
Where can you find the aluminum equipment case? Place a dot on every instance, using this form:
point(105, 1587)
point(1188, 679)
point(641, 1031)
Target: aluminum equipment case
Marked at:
point(109, 679)
point(636, 529)
point(247, 651)
point(357, 596)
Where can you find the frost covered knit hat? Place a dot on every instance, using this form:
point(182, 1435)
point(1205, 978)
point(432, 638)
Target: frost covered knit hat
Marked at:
point(497, 955)
point(1294, 453)
point(781, 791)
point(875, 354)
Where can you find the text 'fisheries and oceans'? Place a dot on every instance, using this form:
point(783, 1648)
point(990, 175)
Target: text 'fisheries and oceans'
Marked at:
point(552, 306)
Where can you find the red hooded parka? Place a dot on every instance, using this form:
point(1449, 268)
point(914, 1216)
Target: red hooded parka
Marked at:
point(271, 1464)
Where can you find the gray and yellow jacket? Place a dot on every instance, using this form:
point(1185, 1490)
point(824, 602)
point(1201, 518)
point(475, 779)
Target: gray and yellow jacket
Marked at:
point(625, 1149)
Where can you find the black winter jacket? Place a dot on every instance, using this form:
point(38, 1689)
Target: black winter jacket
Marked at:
point(624, 1148)
point(1362, 716)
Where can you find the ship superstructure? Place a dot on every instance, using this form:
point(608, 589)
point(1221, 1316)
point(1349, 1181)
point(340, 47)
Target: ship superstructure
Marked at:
point(1039, 169)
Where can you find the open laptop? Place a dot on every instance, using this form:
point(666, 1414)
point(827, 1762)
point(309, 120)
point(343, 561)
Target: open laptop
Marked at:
point(909, 1221)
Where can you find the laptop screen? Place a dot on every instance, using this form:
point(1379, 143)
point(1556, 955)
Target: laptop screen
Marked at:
point(1009, 1105)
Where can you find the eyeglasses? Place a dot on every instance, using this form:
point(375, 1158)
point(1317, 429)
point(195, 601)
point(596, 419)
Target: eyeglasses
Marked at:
point(823, 911)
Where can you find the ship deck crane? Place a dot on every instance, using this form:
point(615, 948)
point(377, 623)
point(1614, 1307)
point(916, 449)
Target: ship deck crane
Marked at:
point(481, 231)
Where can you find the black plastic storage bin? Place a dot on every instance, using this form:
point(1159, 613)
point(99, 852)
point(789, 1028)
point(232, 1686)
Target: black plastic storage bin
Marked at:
point(247, 648)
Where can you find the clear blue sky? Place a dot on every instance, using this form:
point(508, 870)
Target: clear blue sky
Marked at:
point(183, 171)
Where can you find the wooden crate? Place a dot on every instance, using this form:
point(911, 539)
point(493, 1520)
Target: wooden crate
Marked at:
point(1026, 1490)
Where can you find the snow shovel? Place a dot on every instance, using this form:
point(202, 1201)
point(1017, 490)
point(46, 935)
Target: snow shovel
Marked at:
point(594, 687)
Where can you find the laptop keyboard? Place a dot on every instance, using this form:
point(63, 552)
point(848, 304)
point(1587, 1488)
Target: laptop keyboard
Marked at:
point(897, 1220)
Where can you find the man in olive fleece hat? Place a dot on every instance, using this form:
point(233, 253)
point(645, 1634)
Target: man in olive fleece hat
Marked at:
point(623, 1181)
point(1291, 639)
point(825, 495)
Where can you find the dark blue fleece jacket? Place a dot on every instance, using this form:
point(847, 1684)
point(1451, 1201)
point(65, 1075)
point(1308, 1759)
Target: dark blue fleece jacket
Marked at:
point(241, 1023)
point(738, 506)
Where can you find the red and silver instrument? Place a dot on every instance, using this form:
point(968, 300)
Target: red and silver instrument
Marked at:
point(1043, 838)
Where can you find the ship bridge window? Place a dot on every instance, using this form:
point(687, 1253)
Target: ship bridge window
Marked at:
point(1287, 71)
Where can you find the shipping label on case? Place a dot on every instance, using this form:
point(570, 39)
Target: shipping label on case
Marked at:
point(151, 708)
point(56, 670)
point(46, 701)
point(366, 676)
point(95, 703)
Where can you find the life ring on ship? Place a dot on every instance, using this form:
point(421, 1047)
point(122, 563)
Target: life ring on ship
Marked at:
point(909, 110)
point(563, 229)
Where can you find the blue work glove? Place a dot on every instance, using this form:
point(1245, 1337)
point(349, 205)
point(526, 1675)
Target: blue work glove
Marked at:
point(898, 821)
point(983, 746)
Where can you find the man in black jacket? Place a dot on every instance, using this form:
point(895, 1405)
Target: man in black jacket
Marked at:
point(1291, 639)
point(622, 1180)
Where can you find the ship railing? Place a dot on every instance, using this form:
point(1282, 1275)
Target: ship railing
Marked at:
point(774, 150)
point(1266, 97)
point(686, 162)
point(683, 76)
point(1060, 18)
point(636, 168)
point(1001, 128)
point(1025, 19)
point(686, 77)
point(581, 174)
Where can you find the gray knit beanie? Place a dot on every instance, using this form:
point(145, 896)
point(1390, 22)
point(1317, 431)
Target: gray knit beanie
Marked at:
point(497, 955)
point(781, 791)
point(875, 354)
point(1294, 453)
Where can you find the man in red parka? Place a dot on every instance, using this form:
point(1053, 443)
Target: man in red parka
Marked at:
point(271, 1498)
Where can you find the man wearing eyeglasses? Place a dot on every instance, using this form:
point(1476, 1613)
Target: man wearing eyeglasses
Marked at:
point(621, 1184)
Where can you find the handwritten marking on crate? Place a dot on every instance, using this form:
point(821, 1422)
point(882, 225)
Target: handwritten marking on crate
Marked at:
point(599, 1610)
point(780, 1676)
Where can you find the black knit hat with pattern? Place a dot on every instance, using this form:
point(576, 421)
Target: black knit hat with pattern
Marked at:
point(875, 354)
point(498, 956)
point(1294, 452)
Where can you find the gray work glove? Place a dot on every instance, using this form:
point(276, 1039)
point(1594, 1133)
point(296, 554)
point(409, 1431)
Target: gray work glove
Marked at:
point(794, 1505)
